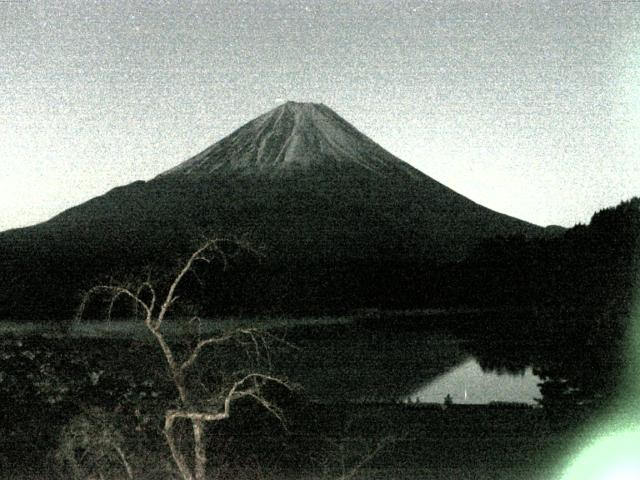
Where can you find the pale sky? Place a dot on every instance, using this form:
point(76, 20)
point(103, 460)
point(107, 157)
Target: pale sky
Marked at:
point(531, 108)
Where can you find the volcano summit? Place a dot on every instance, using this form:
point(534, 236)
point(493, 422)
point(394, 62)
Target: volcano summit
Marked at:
point(290, 139)
point(328, 206)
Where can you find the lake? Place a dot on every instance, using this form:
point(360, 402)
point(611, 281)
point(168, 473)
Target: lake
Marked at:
point(345, 362)
point(369, 366)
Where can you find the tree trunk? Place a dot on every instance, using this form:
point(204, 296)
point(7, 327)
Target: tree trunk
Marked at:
point(179, 460)
point(200, 449)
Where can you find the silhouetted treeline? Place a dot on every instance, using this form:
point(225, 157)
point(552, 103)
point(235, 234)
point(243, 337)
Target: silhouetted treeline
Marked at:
point(587, 267)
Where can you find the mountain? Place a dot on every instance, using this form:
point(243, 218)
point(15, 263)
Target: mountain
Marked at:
point(292, 139)
point(332, 210)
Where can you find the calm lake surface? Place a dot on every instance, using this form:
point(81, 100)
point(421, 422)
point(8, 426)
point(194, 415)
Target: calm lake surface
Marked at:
point(405, 366)
point(342, 361)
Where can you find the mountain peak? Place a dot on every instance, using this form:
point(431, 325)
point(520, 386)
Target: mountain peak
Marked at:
point(293, 137)
point(299, 111)
point(300, 105)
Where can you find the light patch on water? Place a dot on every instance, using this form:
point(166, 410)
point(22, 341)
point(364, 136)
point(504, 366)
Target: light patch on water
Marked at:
point(469, 384)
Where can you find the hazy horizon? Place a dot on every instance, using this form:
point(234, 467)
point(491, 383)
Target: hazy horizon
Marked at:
point(530, 108)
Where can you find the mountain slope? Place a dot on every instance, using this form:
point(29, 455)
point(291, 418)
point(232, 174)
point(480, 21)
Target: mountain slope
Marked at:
point(326, 203)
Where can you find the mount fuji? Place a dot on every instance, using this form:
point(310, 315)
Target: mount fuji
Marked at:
point(323, 201)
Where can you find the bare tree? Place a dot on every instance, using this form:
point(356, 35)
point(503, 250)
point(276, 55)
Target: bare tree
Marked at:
point(154, 310)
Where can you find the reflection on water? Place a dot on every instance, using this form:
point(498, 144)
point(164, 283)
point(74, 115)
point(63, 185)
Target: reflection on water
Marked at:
point(469, 384)
point(356, 365)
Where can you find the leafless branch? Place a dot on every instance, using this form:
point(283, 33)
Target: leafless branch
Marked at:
point(147, 285)
point(198, 255)
point(248, 386)
point(200, 346)
point(115, 292)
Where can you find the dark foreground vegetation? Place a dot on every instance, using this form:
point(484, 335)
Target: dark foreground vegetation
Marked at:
point(58, 391)
point(327, 441)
